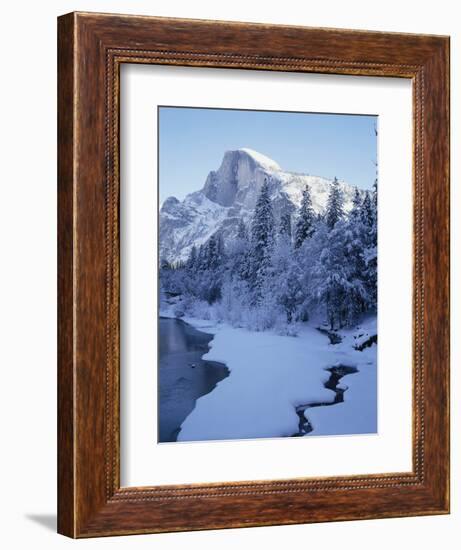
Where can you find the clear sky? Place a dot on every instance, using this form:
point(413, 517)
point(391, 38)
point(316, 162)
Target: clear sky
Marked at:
point(192, 142)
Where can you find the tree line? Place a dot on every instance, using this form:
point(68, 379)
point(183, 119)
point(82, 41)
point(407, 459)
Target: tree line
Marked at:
point(277, 273)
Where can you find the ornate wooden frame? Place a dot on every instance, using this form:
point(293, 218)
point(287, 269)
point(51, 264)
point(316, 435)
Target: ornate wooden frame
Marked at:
point(91, 48)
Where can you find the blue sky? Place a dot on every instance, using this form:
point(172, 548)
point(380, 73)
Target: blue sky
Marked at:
point(193, 141)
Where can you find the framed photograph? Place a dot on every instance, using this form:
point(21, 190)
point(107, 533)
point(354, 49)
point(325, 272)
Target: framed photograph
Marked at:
point(253, 275)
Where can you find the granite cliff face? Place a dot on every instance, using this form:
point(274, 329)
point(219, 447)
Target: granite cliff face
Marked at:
point(230, 194)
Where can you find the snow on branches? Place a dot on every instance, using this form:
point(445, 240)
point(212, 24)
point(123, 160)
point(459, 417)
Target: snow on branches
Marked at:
point(276, 273)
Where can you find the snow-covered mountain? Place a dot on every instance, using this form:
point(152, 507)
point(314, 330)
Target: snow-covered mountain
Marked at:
point(230, 193)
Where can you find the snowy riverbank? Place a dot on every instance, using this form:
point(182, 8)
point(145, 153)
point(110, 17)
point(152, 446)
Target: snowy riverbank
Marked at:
point(271, 375)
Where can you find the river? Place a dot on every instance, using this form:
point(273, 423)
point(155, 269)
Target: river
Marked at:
point(183, 375)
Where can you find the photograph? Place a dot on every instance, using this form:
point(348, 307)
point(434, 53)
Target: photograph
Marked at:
point(210, 210)
point(268, 262)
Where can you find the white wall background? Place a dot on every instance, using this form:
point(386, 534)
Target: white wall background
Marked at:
point(28, 271)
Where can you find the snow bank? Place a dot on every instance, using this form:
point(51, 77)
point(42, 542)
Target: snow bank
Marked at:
point(270, 376)
point(358, 413)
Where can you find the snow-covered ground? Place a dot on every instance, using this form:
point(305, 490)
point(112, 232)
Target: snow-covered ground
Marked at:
point(272, 374)
point(358, 413)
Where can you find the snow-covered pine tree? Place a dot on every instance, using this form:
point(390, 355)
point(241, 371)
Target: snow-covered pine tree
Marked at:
point(262, 241)
point(334, 212)
point(356, 205)
point(208, 283)
point(306, 219)
point(374, 209)
point(371, 251)
point(283, 246)
point(258, 282)
point(355, 239)
point(237, 255)
point(366, 213)
point(209, 253)
point(282, 259)
point(332, 277)
point(375, 193)
point(290, 291)
point(262, 228)
point(201, 258)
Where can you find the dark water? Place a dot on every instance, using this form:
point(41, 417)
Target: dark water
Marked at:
point(183, 376)
point(336, 373)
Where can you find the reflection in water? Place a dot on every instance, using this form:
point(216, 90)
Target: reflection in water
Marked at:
point(183, 376)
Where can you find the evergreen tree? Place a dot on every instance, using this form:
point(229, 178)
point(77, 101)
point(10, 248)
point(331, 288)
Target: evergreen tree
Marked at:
point(207, 284)
point(212, 253)
point(262, 240)
point(192, 259)
point(356, 205)
point(335, 203)
point(375, 194)
point(238, 254)
point(374, 210)
point(258, 282)
point(200, 261)
point(366, 212)
point(336, 285)
point(281, 293)
point(354, 241)
point(306, 219)
point(262, 228)
point(290, 292)
point(371, 251)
